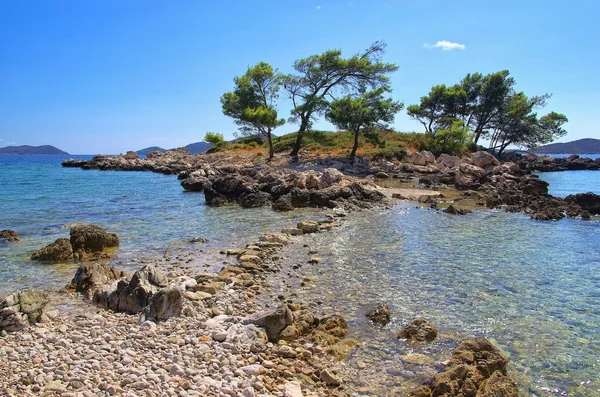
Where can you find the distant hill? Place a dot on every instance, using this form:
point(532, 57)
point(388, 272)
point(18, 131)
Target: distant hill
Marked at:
point(580, 146)
point(26, 149)
point(150, 149)
point(198, 147)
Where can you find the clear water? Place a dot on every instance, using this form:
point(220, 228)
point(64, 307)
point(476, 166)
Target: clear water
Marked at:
point(531, 287)
point(150, 212)
point(572, 182)
point(561, 155)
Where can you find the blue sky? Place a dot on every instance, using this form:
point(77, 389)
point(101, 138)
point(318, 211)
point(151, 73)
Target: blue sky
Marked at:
point(106, 76)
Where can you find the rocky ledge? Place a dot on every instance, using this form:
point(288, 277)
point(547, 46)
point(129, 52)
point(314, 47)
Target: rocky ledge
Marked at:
point(553, 164)
point(86, 242)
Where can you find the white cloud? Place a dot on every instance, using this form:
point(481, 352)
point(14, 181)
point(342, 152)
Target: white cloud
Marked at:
point(446, 45)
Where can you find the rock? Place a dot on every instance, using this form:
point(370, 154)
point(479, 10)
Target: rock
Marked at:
point(498, 385)
point(292, 389)
point(19, 310)
point(283, 203)
point(480, 353)
point(195, 183)
point(60, 250)
point(448, 161)
point(334, 325)
point(197, 295)
point(303, 323)
point(423, 158)
point(308, 226)
point(275, 238)
point(419, 330)
point(292, 231)
point(456, 211)
point(90, 276)
point(131, 297)
point(9, 235)
point(273, 321)
point(382, 175)
point(467, 182)
point(330, 378)
point(589, 202)
point(483, 159)
point(255, 200)
point(470, 169)
point(379, 314)
point(166, 303)
point(86, 239)
point(130, 155)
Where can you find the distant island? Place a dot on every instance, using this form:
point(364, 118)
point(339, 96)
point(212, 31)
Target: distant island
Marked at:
point(26, 149)
point(193, 148)
point(580, 146)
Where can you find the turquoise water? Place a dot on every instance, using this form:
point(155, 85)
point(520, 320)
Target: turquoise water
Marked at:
point(531, 287)
point(150, 212)
point(572, 182)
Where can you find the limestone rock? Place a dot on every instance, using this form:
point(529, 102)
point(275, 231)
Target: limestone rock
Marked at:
point(419, 330)
point(195, 183)
point(283, 203)
point(86, 239)
point(308, 226)
point(166, 303)
point(9, 235)
point(483, 159)
point(60, 250)
point(90, 276)
point(19, 310)
point(423, 158)
point(380, 313)
point(273, 321)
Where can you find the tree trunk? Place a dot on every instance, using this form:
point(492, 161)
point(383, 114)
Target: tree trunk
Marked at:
point(298, 144)
point(353, 153)
point(270, 140)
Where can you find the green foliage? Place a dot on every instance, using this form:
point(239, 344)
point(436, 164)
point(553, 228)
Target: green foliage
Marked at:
point(366, 111)
point(453, 141)
point(252, 102)
point(489, 107)
point(217, 140)
point(320, 77)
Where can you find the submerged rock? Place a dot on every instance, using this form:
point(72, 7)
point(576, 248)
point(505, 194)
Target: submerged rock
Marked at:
point(456, 211)
point(60, 250)
point(19, 310)
point(419, 330)
point(9, 235)
point(380, 314)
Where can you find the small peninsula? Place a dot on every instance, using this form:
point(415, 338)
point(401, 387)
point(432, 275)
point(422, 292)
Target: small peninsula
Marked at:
point(26, 149)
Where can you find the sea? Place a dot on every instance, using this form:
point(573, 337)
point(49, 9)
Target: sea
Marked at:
point(531, 287)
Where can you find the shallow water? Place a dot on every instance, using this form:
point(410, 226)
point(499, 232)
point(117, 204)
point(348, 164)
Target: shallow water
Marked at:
point(531, 287)
point(150, 212)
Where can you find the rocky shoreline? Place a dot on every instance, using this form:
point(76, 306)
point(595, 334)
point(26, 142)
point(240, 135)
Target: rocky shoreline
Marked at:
point(235, 178)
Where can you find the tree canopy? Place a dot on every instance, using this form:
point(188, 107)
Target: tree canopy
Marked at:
point(489, 107)
point(319, 78)
point(364, 111)
point(252, 103)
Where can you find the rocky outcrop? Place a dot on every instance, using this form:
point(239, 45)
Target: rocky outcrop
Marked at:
point(9, 235)
point(195, 183)
point(130, 155)
point(166, 303)
point(419, 330)
point(553, 164)
point(589, 202)
point(91, 276)
point(423, 158)
point(90, 239)
point(483, 159)
point(132, 296)
point(477, 368)
point(19, 310)
point(308, 226)
point(60, 250)
point(379, 313)
point(273, 321)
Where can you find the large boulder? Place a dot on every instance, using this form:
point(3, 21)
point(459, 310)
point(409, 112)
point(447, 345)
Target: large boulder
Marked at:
point(589, 202)
point(273, 321)
point(283, 203)
point(308, 226)
point(132, 296)
point(330, 177)
point(474, 170)
point(131, 155)
point(91, 276)
point(60, 250)
point(195, 183)
point(423, 158)
point(483, 159)
point(419, 330)
point(255, 200)
point(166, 303)
point(9, 235)
point(303, 323)
point(480, 353)
point(87, 239)
point(448, 161)
point(19, 310)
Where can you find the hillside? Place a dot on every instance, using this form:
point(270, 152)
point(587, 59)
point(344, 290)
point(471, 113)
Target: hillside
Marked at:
point(150, 149)
point(580, 146)
point(198, 147)
point(26, 149)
